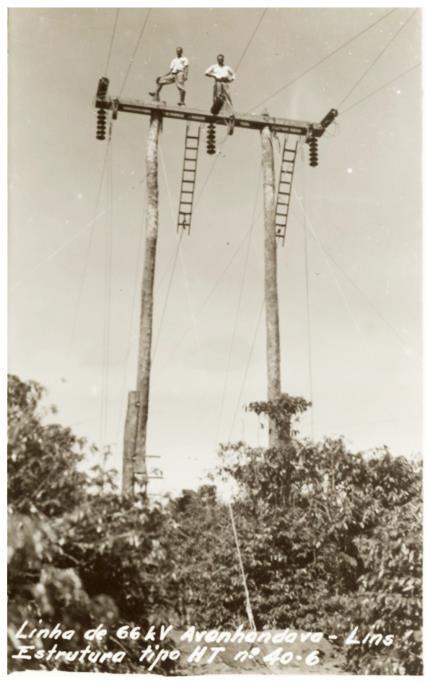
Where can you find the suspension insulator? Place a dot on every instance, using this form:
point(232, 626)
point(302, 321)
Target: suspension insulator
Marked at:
point(101, 124)
point(211, 139)
point(313, 149)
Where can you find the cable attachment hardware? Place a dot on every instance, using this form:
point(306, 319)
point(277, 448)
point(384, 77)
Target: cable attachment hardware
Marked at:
point(101, 124)
point(115, 107)
point(313, 150)
point(211, 139)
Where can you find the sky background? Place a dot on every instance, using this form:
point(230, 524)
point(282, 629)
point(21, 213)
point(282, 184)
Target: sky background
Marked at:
point(71, 304)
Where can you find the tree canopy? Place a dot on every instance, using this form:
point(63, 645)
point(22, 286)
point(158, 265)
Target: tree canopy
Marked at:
point(329, 540)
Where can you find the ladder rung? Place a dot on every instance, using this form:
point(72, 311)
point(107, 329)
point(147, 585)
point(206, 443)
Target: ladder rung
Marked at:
point(186, 203)
point(192, 137)
point(287, 194)
point(188, 181)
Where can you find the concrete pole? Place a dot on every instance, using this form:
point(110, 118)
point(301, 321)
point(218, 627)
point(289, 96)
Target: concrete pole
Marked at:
point(146, 318)
point(271, 293)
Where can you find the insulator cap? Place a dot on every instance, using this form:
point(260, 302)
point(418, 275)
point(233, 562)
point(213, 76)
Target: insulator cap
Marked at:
point(102, 88)
point(328, 119)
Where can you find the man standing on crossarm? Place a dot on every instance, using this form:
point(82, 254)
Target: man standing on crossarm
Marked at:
point(178, 74)
point(222, 75)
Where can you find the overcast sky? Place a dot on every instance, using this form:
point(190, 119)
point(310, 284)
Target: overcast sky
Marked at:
point(360, 207)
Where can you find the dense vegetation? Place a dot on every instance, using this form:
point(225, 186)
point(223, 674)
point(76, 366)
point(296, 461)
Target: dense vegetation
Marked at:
point(330, 540)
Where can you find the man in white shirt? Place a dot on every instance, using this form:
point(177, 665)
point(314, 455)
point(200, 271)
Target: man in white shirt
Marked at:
point(178, 74)
point(222, 75)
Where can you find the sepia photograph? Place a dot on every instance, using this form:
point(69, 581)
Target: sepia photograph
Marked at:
point(214, 347)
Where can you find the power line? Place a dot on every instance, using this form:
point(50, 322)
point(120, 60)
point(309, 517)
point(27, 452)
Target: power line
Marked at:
point(106, 334)
point(168, 291)
point(138, 42)
point(68, 242)
point(250, 39)
point(87, 254)
point(340, 289)
point(329, 258)
point(183, 266)
point(215, 286)
point(248, 607)
point(382, 87)
point(380, 54)
point(241, 291)
point(370, 303)
point(132, 313)
point(247, 367)
point(324, 59)
point(223, 142)
point(309, 335)
point(112, 41)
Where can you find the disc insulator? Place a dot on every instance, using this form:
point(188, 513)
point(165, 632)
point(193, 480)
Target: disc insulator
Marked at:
point(313, 149)
point(211, 139)
point(101, 124)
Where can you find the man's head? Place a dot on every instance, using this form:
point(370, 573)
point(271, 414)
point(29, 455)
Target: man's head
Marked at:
point(179, 51)
point(220, 59)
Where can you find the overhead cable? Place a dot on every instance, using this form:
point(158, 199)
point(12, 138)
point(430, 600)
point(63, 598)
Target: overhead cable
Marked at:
point(111, 42)
point(250, 40)
point(379, 55)
point(380, 88)
point(324, 59)
point(132, 58)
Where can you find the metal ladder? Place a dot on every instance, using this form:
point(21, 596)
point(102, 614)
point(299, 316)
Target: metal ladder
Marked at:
point(188, 180)
point(284, 192)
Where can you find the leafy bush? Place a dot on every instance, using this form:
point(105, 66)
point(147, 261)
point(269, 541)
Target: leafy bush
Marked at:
point(329, 540)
